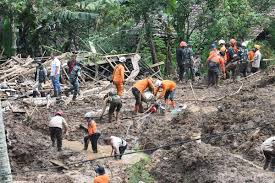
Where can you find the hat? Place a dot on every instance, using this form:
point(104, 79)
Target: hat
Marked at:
point(182, 44)
point(244, 44)
point(257, 46)
point(221, 42)
point(158, 83)
point(60, 113)
point(122, 59)
point(100, 170)
point(88, 115)
point(213, 45)
point(232, 41)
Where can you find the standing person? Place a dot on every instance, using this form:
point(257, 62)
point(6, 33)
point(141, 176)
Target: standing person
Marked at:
point(179, 57)
point(56, 124)
point(232, 59)
point(138, 91)
point(55, 75)
point(243, 54)
point(71, 63)
point(93, 135)
point(250, 56)
point(40, 77)
point(118, 146)
point(168, 91)
point(257, 59)
point(74, 75)
point(223, 47)
point(115, 105)
point(118, 76)
point(268, 148)
point(102, 177)
point(188, 61)
point(215, 63)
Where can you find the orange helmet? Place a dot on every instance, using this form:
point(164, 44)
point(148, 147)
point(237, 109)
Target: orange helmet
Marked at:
point(182, 44)
point(233, 41)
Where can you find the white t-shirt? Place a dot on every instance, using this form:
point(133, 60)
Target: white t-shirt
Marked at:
point(57, 121)
point(117, 142)
point(257, 59)
point(269, 144)
point(55, 63)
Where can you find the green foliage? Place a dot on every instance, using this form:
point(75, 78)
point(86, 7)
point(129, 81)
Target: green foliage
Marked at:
point(138, 172)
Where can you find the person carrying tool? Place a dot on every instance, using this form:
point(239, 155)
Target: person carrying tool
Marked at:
point(118, 76)
point(115, 105)
point(93, 135)
point(268, 148)
point(74, 75)
point(168, 91)
point(215, 62)
point(118, 146)
point(40, 77)
point(179, 57)
point(257, 59)
point(56, 124)
point(55, 75)
point(138, 91)
point(102, 177)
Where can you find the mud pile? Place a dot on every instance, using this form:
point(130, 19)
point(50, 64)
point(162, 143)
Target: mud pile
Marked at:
point(205, 163)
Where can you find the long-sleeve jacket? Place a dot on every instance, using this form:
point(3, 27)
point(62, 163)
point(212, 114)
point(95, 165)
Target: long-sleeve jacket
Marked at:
point(91, 128)
point(166, 85)
point(257, 59)
point(118, 73)
point(269, 144)
point(218, 60)
point(142, 85)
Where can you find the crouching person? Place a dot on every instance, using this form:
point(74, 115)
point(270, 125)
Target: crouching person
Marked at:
point(118, 146)
point(93, 135)
point(268, 148)
point(56, 124)
point(101, 176)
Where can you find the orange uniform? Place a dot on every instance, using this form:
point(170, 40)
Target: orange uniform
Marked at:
point(166, 85)
point(118, 78)
point(217, 59)
point(251, 55)
point(223, 49)
point(141, 85)
point(92, 128)
point(215, 51)
point(102, 179)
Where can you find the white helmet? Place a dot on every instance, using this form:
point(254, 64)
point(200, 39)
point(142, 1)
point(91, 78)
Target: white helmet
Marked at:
point(122, 59)
point(88, 115)
point(244, 44)
point(221, 42)
point(158, 83)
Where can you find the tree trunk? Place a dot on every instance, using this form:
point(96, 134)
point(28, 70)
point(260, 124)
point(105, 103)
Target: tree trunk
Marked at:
point(149, 37)
point(168, 63)
point(5, 170)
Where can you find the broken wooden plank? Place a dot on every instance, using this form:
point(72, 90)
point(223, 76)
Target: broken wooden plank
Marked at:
point(59, 164)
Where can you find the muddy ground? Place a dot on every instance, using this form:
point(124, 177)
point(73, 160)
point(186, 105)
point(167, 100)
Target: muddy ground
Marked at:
point(232, 157)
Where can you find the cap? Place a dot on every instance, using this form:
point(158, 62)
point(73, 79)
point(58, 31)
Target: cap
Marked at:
point(233, 41)
point(122, 59)
point(60, 113)
point(88, 115)
point(257, 46)
point(100, 170)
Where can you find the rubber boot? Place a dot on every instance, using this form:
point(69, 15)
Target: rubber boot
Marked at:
point(141, 110)
point(110, 118)
point(55, 93)
point(34, 94)
point(74, 97)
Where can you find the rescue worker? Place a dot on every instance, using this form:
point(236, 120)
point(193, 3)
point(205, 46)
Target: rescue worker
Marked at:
point(168, 91)
point(55, 75)
point(214, 50)
point(102, 177)
point(93, 135)
point(188, 62)
point(215, 63)
point(40, 77)
point(243, 54)
point(268, 148)
point(71, 63)
point(118, 76)
point(115, 105)
point(223, 47)
point(180, 61)
point(250, 57)
point(232, 59)
point(56, 124)
point(138, 91)
point(118, 146)
point(257, 59)
point(74, 82)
